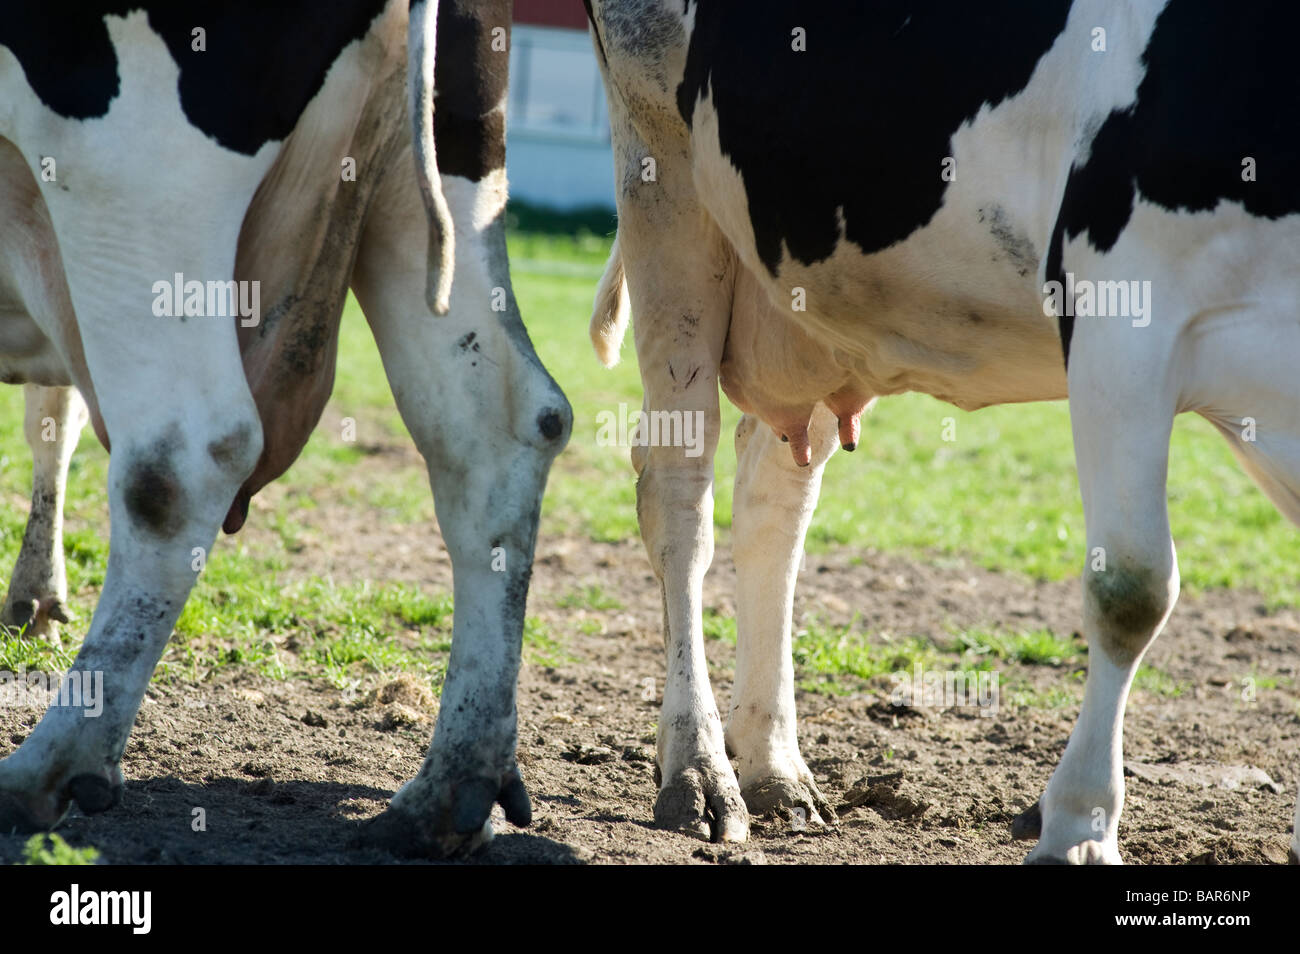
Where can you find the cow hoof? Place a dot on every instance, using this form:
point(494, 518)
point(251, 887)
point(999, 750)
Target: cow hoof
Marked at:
point(36, 617)
point(1028, 824)
point(19, 613)
point(403, 835)
point(15, 819)
point(30, 804)
point(1084, 853)
point(704, 805)
point(795, 799)
point(458, 823)
point(94, 793)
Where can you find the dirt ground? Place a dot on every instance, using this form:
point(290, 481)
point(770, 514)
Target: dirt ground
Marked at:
point(284, 771)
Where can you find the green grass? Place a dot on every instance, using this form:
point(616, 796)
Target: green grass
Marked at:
point(589, 597)
point(543, 646)
point(1040, 647)
point(22, 654)
point(1157, 682)
point(51, 849)
point(1021, 695)
point(718, 626)
point(836, 663)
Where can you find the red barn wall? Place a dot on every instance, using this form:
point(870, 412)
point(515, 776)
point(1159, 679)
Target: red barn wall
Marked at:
point(552, 13)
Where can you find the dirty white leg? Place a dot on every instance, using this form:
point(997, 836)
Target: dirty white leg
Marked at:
point(489, 420)
point(175, 467)
point(1121, 425)
point(38, 590)
point(174, 402)
point(773, 505)
point(679, 327)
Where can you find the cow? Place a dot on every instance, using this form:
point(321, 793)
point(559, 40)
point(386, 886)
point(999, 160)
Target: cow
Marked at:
point(285, 154)
point(822, 204)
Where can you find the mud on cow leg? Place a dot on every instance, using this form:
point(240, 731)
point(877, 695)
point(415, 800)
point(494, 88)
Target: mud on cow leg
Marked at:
point(166, 495)
point(487, 485)
point(1130, 584)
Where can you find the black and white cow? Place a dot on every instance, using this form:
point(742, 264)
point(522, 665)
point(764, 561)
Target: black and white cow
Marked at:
point(938, 182)
point(145, 143)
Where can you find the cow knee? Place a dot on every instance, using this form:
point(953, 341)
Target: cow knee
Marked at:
point(1129, 599)
point(171, 479)
point(154, 496)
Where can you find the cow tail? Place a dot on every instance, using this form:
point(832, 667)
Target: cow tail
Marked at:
point(421, 45)
point(612, 310)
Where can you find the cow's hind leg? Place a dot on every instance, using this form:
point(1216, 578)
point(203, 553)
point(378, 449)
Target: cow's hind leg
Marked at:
point(38, 589)
point(680, 294)
point(1121, 421)
point(773, 505)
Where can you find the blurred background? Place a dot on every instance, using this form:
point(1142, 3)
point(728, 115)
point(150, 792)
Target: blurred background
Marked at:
point(558, 147)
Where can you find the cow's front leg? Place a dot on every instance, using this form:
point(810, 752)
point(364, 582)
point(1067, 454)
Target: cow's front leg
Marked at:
point(1121, 421)
point(176, 465)
point(773, 505)
point(38, 589)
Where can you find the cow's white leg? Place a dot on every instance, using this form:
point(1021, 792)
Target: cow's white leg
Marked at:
point(773, 505)
point(38, 589)
point(175, 467)
point(489, 420)
point(1121, 419)
point(170, 391)
point(680, 295)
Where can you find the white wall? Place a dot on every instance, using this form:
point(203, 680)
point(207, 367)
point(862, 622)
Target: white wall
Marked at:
point(557, 130)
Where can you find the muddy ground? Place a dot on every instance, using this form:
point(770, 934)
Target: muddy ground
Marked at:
point(284, 770)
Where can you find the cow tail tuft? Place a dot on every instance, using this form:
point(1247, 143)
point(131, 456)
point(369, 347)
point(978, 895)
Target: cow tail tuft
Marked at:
point(612, 310)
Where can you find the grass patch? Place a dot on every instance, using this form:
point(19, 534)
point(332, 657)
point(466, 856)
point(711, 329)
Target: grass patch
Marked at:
point(718, 626)
point(1040, 647)
point(51, 849)
point(589, 597)
point(1063, 695)
point(1157, 682)
point(826, 654)
point(542, 647)
point(21, 653)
